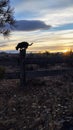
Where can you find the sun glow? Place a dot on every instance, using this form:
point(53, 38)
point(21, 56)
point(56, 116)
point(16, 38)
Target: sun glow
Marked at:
point(66, 50)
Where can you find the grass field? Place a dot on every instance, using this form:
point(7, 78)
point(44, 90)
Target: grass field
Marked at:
point(49, 99)
point(45, 102)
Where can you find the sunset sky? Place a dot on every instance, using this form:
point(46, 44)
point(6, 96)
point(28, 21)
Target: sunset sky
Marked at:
point(46, 23)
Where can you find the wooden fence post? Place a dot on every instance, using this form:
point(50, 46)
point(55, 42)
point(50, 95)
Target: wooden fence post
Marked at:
point(22, 46)
point(22, 68)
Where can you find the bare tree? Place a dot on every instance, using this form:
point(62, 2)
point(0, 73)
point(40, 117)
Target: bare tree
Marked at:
point(6, 17)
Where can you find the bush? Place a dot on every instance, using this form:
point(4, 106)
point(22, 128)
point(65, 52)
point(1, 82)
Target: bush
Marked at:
point(2, 72)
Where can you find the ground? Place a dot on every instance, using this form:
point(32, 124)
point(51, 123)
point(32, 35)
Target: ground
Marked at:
point(44, 103)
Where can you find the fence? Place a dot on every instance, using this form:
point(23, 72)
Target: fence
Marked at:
point(40, 73)
point(42, 61)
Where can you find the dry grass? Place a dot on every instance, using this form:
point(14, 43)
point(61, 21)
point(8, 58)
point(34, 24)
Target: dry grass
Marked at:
point(48, 98)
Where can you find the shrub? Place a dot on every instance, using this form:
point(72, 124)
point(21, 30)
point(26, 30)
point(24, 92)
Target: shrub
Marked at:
point(2, 72)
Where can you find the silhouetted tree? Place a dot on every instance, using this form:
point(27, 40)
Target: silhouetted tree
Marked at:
point(6, 17)
point(22, 47)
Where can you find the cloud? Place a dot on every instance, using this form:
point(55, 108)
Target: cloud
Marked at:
point(38, 6)
point(29, 25)
point(3, 45)
point(51, 12)
point(68, 26)
point(60, 3)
